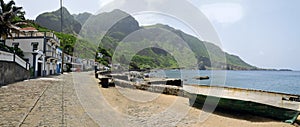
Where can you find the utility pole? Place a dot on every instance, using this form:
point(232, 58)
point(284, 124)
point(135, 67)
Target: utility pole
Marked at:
point(61, 31)
point(61, 17)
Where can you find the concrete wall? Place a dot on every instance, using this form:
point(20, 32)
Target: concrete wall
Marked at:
point(11, 72)
point(164, 89)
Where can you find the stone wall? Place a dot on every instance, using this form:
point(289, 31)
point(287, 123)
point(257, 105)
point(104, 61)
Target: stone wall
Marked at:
point(164, 89)
point(11, 72)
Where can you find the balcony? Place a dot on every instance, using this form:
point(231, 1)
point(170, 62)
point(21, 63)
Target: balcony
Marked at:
point(48, 35)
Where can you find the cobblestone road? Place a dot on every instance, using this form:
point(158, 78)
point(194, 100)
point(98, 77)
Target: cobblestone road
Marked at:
point(42, 102)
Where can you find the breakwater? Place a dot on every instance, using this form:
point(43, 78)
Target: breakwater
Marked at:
point(165, 89)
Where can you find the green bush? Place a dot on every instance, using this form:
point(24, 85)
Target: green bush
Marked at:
point(5, 48)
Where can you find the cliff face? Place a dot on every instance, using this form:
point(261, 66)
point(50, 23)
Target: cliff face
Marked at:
point(116, 24)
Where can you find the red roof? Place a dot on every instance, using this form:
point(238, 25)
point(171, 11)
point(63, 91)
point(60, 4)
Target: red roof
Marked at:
point(28, 29)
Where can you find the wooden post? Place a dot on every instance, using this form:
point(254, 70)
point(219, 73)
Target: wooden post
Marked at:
point(104, 82)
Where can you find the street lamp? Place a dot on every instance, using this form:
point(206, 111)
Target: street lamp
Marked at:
point(61, 17)
point(61, 30)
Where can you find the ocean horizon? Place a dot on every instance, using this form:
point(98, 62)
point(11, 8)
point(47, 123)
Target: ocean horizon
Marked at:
point(272, 81)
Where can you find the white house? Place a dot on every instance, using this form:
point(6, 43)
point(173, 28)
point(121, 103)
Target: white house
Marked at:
point(40, 48)
point(59, 61)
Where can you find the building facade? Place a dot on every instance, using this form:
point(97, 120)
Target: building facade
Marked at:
point(59, 61)
point(39, 48)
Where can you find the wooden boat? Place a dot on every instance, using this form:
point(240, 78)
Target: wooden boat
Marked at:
point(280, 106)
point(201, 77)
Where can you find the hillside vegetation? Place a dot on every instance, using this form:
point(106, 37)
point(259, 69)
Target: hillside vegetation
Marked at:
point(52, 21)
point(118, 27)
point(170, 48)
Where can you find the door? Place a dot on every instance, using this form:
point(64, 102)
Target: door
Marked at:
point(39, 69)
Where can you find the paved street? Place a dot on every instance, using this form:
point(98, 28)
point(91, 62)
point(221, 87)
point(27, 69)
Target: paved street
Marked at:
point(48, 102)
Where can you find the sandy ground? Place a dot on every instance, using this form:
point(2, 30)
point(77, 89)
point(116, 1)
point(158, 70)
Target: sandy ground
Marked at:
point(130, 102)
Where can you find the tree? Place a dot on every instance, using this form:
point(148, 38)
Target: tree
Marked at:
point(10, 16)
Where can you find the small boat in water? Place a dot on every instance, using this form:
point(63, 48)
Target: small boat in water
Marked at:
point(201, 77)
point(280, 106)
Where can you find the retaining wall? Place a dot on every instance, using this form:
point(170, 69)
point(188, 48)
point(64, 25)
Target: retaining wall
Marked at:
point(11, 72)
point(164, 89)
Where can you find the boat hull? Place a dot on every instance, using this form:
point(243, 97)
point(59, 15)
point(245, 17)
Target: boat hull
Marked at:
point(235, 105)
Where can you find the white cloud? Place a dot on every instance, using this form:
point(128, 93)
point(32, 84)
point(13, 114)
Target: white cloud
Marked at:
point(152, 18)
point(261, 53)
point(104, 2)
point(223, 13)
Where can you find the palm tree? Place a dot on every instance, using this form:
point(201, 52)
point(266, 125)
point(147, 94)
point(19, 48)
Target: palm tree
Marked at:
point(10, 15)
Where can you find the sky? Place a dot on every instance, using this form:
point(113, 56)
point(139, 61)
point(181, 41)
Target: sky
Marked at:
point(264, 33)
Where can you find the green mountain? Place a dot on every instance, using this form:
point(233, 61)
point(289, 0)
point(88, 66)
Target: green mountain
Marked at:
point(117, 28)
point(200, 48)
point(52, 21)
point(113, 27)
point(82, 17)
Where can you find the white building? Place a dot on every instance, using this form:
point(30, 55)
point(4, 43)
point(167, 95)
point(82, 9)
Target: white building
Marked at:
point(59, 61)
point(76, 64)
point(40, 48)
point(88, 64)
point(72, 63)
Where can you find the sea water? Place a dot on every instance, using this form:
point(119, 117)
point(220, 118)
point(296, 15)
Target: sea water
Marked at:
point(273, 81)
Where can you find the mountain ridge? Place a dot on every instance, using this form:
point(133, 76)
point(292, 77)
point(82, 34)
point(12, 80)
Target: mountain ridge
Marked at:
point(82, 17)
point(52, 21)
point(117, 24)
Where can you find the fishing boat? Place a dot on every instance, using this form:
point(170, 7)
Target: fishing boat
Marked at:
point(201, 77)
point(279, 106)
